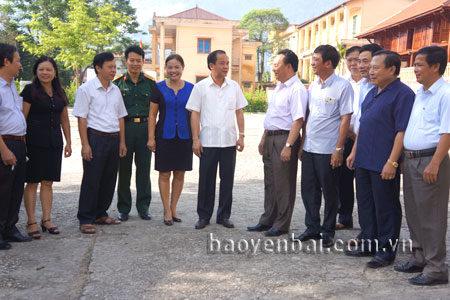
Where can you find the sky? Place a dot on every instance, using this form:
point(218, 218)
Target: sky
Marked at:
point(296, 11)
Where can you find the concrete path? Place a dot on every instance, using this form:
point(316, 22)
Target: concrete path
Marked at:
point(148, 260)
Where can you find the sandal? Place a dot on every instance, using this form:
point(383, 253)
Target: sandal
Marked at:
point(34, 234)
point(107, 221)
point(51, 230)
point(87, 229)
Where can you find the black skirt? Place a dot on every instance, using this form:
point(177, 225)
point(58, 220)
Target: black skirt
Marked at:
point(173, 155)
point(44, 164)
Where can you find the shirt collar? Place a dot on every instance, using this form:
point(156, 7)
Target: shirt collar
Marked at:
point(288, 82)
point(435, 87)
point(128, 78)
point(4, 82)
point(99, 85)
point(328, 82)
point(211, 81)
point(391, 86)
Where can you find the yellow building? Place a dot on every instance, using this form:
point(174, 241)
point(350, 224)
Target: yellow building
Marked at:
point(338, 25)
point(194, 34)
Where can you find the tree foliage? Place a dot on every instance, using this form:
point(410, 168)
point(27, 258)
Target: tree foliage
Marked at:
point(75, 39)
point(260, 22)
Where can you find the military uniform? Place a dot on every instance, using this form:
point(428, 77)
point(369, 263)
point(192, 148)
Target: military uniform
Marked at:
point(137, 102)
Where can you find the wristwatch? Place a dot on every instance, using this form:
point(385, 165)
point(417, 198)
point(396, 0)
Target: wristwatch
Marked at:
point(340, 150)
point(393, 163)
point(288, 145)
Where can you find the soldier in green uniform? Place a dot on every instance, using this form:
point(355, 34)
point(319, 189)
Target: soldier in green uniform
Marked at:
point(136, 88)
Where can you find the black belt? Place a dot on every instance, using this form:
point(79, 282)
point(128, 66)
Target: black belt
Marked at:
point(419, 153)
point(136, 119)
point(107, 134)
point(276, 132)
point(13, 137)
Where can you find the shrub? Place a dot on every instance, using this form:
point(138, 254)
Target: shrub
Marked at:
point(70, 92)
point(257, 101)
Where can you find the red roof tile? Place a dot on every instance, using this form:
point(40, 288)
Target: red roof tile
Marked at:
point(414, 10)
point(199, 14)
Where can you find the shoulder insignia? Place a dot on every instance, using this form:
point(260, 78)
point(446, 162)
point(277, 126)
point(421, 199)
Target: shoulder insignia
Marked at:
point(118, 77)
point(149, 77)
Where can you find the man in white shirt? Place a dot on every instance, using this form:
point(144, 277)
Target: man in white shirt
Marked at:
point(216, 104)
point(12, 148)
point(279, 145)
point(346, 189)
point(330, 103)
point(100, 111)
point(426, 171)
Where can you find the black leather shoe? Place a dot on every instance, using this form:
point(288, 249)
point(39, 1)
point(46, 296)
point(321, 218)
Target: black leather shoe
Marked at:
point(358, 253)
point(306, 236)
point(226, 223)
point(408, 268)
point(4, 245)
point(17, 238)
point(425, 280)
point(122, 217)
point(327, 241)
point(175, 219)
point(378, 262)
point(168, 222)
point(145, 216)
point(274, 232)
point(258, 227)
point(201, 224)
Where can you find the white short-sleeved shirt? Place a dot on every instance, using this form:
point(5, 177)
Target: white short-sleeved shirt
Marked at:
point(102, 108)
point(430, 117)
point(12, 121)
point(365, 87)
point(356, 87)
point(287, 104)
point(327, 102)
point(217, 107)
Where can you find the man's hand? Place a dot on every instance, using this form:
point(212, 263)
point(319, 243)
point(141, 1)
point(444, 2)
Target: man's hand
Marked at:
point(351, 160)
point(285, 155)
point(261, 144)
point(197, 148)
point(300, 152)
point(430, 173)
point(67, 150)
point(122, 150)
point(240, 144)
point(86, 152)
point(388, 172)
point(336, 159)
point(151, 144)
point(8, 158)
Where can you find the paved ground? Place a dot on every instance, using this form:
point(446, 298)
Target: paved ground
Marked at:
point(148, 260)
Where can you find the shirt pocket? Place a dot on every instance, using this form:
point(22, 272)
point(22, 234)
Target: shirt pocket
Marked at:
point(430, 118)
point(231, 103)
point(329, 106)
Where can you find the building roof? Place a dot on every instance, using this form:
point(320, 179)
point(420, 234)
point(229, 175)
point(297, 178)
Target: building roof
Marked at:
point(324, 14)
point(416, 9)
point(199, 14)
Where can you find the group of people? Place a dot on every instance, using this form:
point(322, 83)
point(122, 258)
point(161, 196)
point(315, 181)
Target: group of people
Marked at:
point(369, 127)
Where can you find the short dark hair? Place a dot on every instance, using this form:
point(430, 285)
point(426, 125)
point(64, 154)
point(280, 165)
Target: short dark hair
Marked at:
point(372, 48)
point(212, 57)
point(135, 49)
point(6, 52)
point(176, 57)
point(351, 50)
point(290, 58)
point(101, 58)
point(434, 55)
point(391, 59)
point(56, 84)
point(328, 53)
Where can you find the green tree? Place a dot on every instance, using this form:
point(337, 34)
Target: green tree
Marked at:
point(260, 22)
point(75, 39)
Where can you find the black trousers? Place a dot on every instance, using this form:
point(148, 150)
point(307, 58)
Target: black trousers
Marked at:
point(319, 178)
point(11, 188)
point(346, 189)
point(99, 178)
point(379, 210)
point(211, 158)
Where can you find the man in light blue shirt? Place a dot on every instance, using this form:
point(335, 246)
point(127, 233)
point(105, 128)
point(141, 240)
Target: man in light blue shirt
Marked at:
point(426, 172)
point(12, 148)
point(330, 107)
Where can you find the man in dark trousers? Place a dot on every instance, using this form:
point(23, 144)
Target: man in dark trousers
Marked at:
point(136, 87)
point(12, 148)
